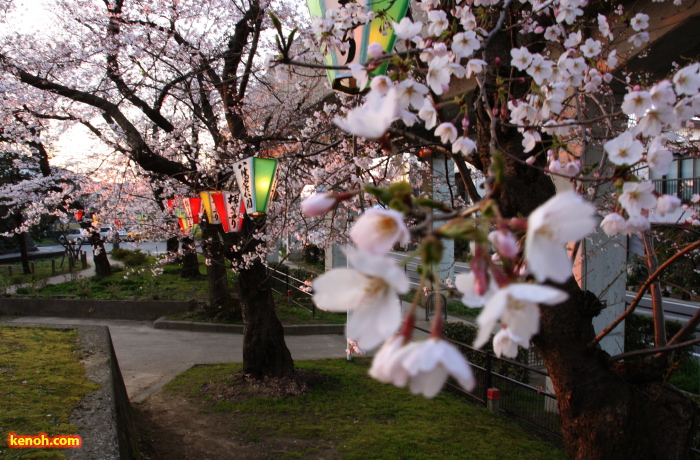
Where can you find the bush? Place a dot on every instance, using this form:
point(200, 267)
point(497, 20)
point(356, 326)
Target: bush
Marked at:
point(639, 335)
point(120, 254)
point(130, 258)
point(466, 334)
point(313, 255)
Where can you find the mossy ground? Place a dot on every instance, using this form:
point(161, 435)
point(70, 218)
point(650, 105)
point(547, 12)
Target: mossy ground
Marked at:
point(41, 379)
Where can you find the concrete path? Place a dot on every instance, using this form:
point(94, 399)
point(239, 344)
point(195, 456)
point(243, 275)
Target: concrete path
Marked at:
point(149, 358)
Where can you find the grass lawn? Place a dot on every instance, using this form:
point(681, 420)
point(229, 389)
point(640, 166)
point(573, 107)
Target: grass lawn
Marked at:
point(41, 379)
point(454, 307)
point(42, 270)
point(124, 284)
point(351, 416)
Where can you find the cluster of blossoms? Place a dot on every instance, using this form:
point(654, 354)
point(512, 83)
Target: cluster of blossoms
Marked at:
point(663, 108)
point(571, 61)
point(368, 290)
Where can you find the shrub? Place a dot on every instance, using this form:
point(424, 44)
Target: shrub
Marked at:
point(130, 258)
point(639, 335)
point(466, 333)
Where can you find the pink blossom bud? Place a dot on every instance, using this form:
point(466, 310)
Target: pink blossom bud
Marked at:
point(531, 160)
point(465, 123)
point(539, 29)
point(495, 111)
point(374, 50)
point(318, 204)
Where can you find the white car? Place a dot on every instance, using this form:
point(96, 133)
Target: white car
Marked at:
point(72, 235)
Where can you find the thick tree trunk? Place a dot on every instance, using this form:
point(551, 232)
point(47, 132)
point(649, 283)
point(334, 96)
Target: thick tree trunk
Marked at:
point(608, 411)
point(221, 304)
point(265, 354)
point(190, 263)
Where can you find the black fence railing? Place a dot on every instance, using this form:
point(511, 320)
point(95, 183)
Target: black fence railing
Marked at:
point(527, 403)
point(296, 290)
point(683, 188)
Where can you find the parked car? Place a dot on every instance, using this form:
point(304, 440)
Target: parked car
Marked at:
point(72, 235)
point(105, 232)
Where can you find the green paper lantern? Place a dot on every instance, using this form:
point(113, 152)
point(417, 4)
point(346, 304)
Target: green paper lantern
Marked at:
point(257, 180)
point(360, 38)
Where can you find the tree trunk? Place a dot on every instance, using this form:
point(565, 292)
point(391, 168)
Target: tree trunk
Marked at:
point(608, 411)
point(221, 304)
point(172, 246)
point(99, 255)
point(265, 354)
point(24, 255)
point(190, 263)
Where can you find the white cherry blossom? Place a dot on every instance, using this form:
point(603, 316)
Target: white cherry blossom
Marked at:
point(613, 224)
point(637, 224)
point(463, 145)
point(373, 118)
point(369, 291)
point(624, 149)
point(447, 132)
point(318, 204)
point(636, 103)
point(659, 158)
point(426, 365)
point(378, 230)
point(667, 204)
point(505, 343)
point(640, 22)
point(687, 80)
point(516, 306)
point(521, 58)
point(407, 29)
point(563, 218)
point(637, 196)
point(466, 284)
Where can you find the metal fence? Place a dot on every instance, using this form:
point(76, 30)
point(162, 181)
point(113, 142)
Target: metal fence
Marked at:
point(528, 403)
point(682, 188)
point(294, 289)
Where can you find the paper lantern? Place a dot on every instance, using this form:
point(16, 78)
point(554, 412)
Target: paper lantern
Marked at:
point(231, 210)
point(359, 38)
point(212, 213)
point(257, 180)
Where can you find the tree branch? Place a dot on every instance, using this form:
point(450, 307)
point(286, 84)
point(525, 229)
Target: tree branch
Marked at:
point(641, 292)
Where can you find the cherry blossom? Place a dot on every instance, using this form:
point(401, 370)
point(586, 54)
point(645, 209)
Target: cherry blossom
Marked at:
point(378, 230)
point(369, 291)
point(516, 306)
point(447, 133)
point(613, 223)
point(318, 204)
point(407, 29)
point(463, 145)
point(667, 204)
point(425, 366)
point(624, 149)
point(563, 218)
point(637, 196)
point(466, 285)
point(373, 118)
point(505, 343)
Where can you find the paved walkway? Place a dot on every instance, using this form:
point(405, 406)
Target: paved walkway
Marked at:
point(149, 358)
